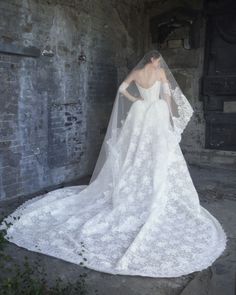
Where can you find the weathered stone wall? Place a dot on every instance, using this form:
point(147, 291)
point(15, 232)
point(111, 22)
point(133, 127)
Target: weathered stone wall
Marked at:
point(54, 110)
point(187, 67)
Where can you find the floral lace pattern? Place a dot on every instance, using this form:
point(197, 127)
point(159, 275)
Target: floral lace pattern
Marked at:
point(184, 109)
point(141, 216)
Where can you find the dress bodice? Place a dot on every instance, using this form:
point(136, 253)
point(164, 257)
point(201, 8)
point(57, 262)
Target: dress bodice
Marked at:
point(151, 93)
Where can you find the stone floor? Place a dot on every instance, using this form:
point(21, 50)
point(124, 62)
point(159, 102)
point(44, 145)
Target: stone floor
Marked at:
point(216, 189)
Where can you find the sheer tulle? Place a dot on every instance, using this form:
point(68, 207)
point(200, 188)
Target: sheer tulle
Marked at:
point(140, 216)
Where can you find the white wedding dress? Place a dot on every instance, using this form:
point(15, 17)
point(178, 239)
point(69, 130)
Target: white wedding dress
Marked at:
point(147, 221)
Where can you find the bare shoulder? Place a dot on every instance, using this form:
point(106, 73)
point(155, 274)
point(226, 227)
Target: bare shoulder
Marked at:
point(136, 73)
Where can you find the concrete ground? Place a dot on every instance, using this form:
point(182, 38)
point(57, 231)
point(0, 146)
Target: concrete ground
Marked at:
point(216, 188)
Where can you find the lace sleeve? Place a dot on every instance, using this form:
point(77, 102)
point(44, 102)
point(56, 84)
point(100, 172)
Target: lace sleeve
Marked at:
point(123, 86)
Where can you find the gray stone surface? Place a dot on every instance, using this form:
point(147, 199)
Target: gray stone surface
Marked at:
point(54, 110)
point(187, 68)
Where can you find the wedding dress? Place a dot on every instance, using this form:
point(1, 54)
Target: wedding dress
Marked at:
point(144, 219)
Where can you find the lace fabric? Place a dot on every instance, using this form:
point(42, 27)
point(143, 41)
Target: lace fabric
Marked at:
point(140, 216)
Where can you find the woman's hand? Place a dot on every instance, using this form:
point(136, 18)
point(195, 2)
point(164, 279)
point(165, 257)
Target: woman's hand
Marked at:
point(140, 98)
point(134, 98)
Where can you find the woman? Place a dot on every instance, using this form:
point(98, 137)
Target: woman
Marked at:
point(140, 213)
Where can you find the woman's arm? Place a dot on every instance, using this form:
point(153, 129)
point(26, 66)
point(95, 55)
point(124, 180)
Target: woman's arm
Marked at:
point(167, 93)
point(166, 89)
point(124, 85)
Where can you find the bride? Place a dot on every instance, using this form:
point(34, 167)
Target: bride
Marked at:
point(140, 213)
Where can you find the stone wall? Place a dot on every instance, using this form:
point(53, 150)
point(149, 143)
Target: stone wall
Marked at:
point(55, 109)
point(187, 67)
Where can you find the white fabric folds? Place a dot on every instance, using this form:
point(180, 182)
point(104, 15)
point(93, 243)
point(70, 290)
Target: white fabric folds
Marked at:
point(140, 214)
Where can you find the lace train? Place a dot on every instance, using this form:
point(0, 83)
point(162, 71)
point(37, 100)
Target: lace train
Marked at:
point(141, 216)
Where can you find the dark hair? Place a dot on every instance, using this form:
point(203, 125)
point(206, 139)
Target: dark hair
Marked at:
point(153, 53)
point(147, 57)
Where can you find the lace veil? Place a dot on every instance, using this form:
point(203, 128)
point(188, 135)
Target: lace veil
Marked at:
point(179, 107)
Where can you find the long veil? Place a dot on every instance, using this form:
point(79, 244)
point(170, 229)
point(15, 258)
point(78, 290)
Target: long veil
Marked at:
point(179, 107)
point(141, 213)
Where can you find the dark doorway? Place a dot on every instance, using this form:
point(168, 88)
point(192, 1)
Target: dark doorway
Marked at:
point(219, 77)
